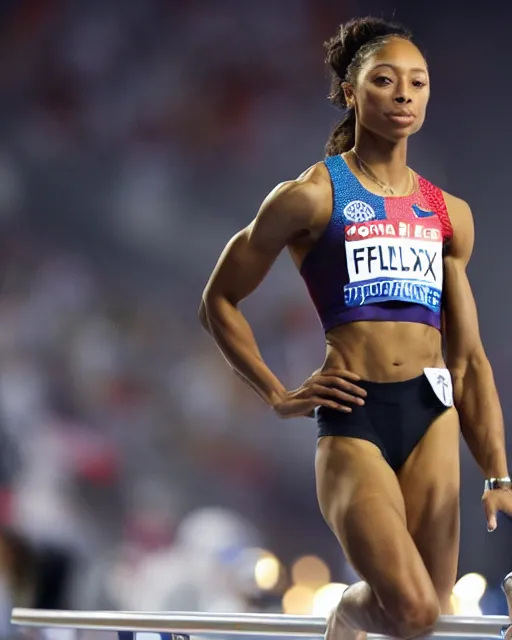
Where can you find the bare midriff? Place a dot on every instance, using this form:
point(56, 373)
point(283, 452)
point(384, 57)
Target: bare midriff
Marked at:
point(384, 351)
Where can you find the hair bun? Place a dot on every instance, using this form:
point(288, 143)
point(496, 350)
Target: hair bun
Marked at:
point(354, 34)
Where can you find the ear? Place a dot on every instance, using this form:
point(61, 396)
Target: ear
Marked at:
point(348, 90)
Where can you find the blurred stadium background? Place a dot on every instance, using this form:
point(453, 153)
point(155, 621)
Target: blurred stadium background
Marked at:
point(137, 136)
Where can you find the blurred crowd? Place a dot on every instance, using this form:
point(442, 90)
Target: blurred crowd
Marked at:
point(136, 138)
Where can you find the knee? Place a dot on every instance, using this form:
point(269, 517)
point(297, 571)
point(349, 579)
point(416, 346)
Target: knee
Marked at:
point(414, 612)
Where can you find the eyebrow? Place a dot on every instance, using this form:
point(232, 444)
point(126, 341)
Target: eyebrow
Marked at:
point(388, 64)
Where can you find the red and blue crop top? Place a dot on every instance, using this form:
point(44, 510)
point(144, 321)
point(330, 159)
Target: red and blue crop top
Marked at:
point(379, 258)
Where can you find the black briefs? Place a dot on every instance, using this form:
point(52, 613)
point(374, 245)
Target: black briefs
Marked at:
point(395, 417)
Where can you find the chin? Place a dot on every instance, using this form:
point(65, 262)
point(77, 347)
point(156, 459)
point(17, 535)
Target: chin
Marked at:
point(403, 134)
point(397, 135)
point(394, 134)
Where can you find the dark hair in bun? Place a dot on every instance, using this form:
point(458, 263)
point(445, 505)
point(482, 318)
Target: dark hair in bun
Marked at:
point(346, 53)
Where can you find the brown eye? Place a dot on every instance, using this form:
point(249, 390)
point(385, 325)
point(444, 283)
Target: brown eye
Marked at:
point(419, 84)
point(383, 80)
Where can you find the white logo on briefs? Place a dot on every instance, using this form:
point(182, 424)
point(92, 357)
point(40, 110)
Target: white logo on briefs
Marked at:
point(358, 211)
point(441, 383)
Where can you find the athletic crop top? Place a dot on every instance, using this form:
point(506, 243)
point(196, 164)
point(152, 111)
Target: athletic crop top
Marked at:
point(379, 258)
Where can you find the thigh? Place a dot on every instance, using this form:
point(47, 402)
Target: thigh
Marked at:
point(361, 500)
point(430, 482)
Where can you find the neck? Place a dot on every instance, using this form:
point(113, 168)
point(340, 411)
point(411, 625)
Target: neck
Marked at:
point(387, 160)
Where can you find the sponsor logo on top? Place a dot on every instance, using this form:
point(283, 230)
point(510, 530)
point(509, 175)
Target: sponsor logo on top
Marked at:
point(358, 211)
point(391, 229)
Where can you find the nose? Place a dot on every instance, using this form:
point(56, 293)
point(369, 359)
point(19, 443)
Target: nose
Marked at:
point(402, 92)
point(402, 99)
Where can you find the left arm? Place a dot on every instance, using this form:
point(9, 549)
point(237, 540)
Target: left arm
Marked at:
point(475, 395)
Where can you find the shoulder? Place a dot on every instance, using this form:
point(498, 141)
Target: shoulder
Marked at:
point(459, 211)
point(461, 218)
point(311, 185)
point(301, 198)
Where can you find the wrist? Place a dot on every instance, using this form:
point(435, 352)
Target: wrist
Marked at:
point(495, 465)
point(276, 398)
point(497, 471)
point(503, 482)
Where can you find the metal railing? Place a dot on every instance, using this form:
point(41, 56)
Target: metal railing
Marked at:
point(232, 624)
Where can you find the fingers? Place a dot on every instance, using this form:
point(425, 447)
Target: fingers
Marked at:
point(490, 514)
point(337, 381)
point(333, 389)
point(323, 391)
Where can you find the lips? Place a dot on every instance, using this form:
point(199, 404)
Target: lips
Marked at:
point(402, 117)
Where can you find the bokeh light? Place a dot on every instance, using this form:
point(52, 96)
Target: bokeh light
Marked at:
point(267, 572)
point(298, 600)
point(310, 571)
point(327, 597)
point(467, 593)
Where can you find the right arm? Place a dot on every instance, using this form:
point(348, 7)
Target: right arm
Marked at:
point(242, 266)
point(287, 212)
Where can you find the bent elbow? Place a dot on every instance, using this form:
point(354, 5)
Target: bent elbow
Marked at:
point(214, 309)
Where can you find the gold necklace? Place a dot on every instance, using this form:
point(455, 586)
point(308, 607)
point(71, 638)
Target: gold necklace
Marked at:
point(364, 168)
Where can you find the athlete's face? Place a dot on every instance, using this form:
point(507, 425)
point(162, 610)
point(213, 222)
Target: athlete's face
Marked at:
point(391, 90)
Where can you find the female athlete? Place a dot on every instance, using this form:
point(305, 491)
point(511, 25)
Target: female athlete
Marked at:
point(383, 253)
